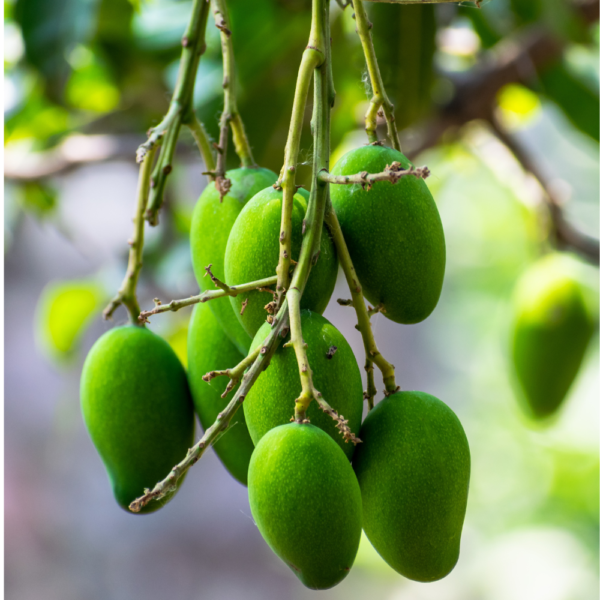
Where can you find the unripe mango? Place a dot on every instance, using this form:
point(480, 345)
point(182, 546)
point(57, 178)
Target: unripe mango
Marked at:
point(253, 253)
point(209, 349)
point(306, 503)
point(270, 401)
point(394, 235)
point(211, 223)
point(138, 410)
point(413, 469)
point(551, 331)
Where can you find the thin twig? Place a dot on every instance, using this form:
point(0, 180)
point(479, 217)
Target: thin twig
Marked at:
point(232, 290)
point(312, 236)
point(203, 142)
point(312, 57)
point(180, 109)
point(372, 353)
point(234, 373)
point(379, 99)
point(127, 292)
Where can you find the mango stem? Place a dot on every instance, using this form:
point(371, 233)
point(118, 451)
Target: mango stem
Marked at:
point(379, 99)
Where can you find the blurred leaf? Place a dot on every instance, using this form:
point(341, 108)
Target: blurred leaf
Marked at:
point(405, 41)
point(90, 88)
point(113, 34)
point(556, 15)
point(484, 26)
point(527, 11)
point(50, 31)
point(579, 102)
point(64, 310)
point(38, 119)
point(38, 198)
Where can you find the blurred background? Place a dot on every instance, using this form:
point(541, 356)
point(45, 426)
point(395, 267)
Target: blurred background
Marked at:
point(500, 103)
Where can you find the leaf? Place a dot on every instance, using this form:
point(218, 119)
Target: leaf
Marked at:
point(577, 100)
point(39, 199)
point(405, 42)
point(64, 311)
point(51, 30)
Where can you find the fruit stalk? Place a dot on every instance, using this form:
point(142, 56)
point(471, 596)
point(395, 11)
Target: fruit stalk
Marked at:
point(169, 484)
point(180, 109)
point(231, 115)
point(234, 373)
point(380, 99)
point(232, 290)
point(313, 227)
point(372, 353)
point(203, 143)
point(311, 243)
point(312, 57)
point(127, 292)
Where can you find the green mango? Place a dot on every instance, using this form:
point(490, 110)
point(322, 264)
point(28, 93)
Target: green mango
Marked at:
point(137, 408)
point(394, 235)
point(209, 349)
point(306, 502)
point(552, 326)
point(253, 253)
point(270, 401)
point(413, 469)
point(211, 223)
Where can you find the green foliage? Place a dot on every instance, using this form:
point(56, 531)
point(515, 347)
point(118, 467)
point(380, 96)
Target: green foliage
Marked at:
point(270, 402)
point(578, 100)
point(50, 31)
point(406, 37)
point(137, 408)
point(394, 235)
point(209, 349)
point(64, 310)
point(211, 224)
point(551, 331)
point(253, 252)
point(413, 468)
point(39, 199)
point(306, 503)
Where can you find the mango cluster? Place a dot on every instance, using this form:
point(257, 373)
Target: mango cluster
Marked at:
point(310, 492)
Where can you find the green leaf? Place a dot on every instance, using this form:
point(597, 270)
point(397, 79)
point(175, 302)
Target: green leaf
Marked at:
point(64, 310)
point(50, 31)
point(405, 42)
point(578, 101)
point(39, 199)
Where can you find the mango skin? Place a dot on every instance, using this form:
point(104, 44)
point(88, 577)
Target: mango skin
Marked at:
point(137, 408)
point(394, 235)
point(210, 349)
point(306, 503)
point(211, 223)
point(270, 401)
point(413, 469)
point(253, 253)
point(552, 327)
